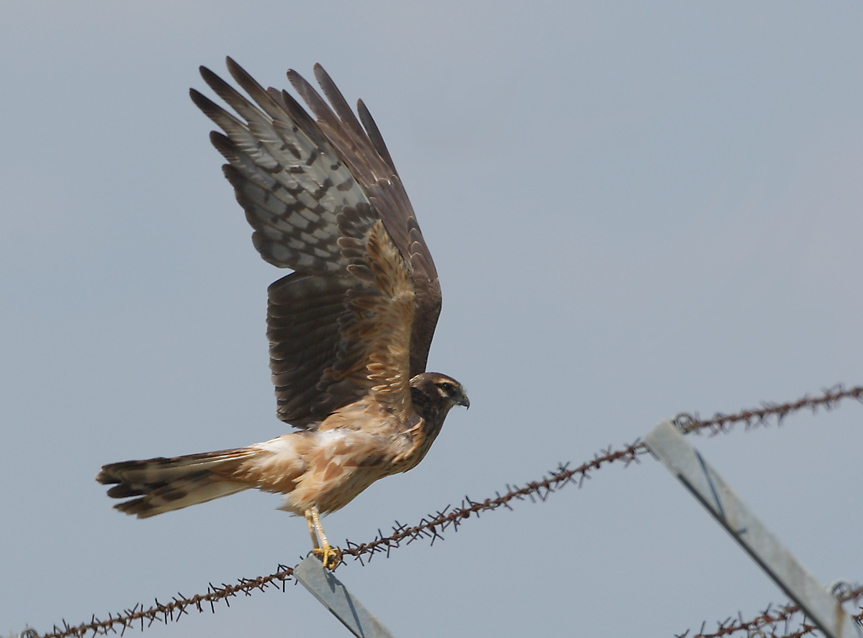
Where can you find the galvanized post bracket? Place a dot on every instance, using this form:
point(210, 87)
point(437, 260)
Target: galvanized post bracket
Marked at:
point(333, 595)
point(682, 460)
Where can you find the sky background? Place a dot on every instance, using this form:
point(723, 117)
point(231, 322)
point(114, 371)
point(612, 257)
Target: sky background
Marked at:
point(636, 209)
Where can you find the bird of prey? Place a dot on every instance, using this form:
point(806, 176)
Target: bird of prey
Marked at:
point(349, 329)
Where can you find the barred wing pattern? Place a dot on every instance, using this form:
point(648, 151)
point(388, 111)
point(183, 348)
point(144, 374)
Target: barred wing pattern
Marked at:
point(324, 199)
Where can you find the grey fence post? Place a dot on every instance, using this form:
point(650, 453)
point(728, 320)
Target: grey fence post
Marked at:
point(682, 460)
point(333, 595)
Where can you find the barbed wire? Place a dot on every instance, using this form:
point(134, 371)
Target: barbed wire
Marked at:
point(179, 605)
point(721, 423)
point(431, 526)
point(787, 621)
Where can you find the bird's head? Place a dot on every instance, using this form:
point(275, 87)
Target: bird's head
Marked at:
point(436, 392)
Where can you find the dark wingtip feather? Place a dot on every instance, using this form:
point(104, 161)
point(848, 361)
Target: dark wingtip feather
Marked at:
point(337, 100)
point(374, 134)
point(301, 86)
point(135, 507)
point(221, 88)
point(105, 477)
point(243, 78)
point(312, 98)
point(208, 75)
point(223, 144)
point(124, 490)
point(220, 140)
point(235, 69)
point(203, 102)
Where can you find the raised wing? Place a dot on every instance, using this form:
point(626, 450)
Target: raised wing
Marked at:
point(358, 314)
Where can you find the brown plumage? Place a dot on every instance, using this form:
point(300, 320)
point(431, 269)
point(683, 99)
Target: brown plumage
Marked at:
point(349, 329)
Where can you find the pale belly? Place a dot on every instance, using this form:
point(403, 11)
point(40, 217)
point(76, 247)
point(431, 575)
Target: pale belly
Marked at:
point(340, 465)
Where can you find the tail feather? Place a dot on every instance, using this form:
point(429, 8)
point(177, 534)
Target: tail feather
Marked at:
point(166, 484)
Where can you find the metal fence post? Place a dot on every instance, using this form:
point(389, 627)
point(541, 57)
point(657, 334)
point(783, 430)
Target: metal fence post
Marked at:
point(682, 460)
point(333, 595)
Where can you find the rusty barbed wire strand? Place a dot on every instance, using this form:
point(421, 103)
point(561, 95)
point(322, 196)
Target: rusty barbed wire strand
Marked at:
point(787, 621)
point(163, 612)
point(720, 423)
point(432, 525)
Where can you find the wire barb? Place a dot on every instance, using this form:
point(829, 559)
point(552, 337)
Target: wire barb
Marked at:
point(432, 527)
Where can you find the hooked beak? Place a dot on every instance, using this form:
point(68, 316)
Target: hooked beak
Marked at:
point(463, 401)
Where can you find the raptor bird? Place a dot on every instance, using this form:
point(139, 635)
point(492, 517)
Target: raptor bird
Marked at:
point(349, 329)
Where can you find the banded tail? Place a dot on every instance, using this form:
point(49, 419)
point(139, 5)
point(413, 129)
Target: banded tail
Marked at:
point(166, 484)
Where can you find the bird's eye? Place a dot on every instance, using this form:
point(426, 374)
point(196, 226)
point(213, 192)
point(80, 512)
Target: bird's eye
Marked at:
point(448, 387)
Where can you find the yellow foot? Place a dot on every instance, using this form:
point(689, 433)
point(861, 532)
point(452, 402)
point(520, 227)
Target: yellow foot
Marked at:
point(331, 557)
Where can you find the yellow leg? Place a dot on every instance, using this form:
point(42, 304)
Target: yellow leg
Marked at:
point(320, 546)
point(311, 523)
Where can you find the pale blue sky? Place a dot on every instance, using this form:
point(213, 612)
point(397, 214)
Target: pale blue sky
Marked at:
point(636, 209)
